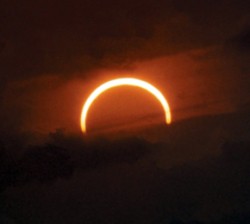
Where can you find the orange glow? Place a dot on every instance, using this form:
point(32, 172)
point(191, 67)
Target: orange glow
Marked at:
point(121, 82)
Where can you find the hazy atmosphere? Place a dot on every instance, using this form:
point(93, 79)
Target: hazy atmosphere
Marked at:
point(130, 167)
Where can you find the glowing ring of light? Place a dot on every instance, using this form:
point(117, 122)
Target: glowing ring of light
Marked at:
point(121, 82)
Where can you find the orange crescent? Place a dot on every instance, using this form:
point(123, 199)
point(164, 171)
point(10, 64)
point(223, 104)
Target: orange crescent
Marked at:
point(121, 82)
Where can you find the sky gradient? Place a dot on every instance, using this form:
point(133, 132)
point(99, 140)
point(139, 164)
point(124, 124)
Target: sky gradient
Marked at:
point(54, 54)
point(130, 168)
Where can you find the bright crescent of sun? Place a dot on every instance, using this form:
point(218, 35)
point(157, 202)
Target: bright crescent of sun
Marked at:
point(121, 82)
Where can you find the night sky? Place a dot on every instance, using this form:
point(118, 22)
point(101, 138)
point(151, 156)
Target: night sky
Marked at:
point(130, 167)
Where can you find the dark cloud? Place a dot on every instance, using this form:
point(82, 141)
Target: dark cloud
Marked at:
point(242, 41)
point(211, 188)
point(214, 189)
point(62, 37)
point(62, 154)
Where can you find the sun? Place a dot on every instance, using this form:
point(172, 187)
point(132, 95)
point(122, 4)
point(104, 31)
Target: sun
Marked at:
point(124, 82)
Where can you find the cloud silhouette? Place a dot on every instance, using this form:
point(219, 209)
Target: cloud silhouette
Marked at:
point(212, 189)
point(50, 161)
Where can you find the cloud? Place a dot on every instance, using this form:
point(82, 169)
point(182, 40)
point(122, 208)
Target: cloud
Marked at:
point(55, 37)
point(213, 188)
point(62, 155)
point(242, 41)
point(67, 41)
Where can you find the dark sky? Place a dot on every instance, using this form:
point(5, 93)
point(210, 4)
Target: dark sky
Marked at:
point(196, 51)
point(67, 37)
point(54, 53)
